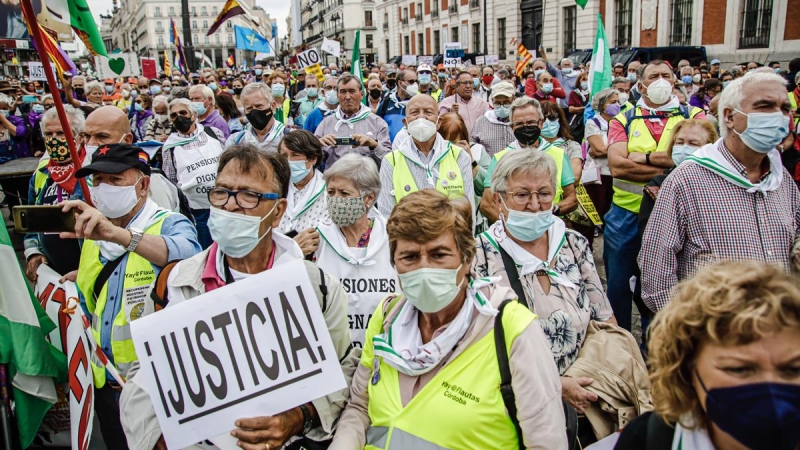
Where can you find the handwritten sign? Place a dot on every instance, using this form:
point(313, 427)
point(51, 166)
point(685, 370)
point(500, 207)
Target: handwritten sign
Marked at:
point(479, 60)
point(425, 59)
point(308, 58)
point(409, 60)
point(492, 60)
point(36, 71)
point(453, 54)
point(257, 347)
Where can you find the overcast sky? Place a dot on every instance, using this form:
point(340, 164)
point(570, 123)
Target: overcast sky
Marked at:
point(277, 9)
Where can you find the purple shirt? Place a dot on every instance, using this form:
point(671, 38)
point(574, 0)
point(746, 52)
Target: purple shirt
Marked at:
point(218, 122)
point(18, 145)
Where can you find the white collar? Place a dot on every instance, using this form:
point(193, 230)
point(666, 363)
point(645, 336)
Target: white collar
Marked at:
point(492, 118)
point(378, 239)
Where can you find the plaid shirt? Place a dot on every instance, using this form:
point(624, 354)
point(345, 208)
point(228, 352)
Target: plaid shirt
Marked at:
point(700, 218)
point(492, 136)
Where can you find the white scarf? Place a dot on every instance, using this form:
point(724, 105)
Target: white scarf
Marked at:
point(556, 236)
point(378, 239)
point(177, 139)
point(311, 193)
point(672, 105)
point(402, 348)
point(440, 147)
point(362, 113)
point(543, 145)
point(276, 132)
point(150, 214)
point(710, 158)
point(492, 118)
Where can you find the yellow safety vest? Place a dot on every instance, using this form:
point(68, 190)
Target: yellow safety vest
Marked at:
point(283, 111)
point(557, 153)
point(628, 194)
point(461, 406)
point(450, 178)
point(435, 94)
point(139, 274)
point(39, 179)
point(626, 107)
point(793, 101)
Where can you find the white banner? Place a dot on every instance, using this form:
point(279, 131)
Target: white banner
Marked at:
point(36, 71)
point(118, 65)
point(452, 54)
point(332, 47)
point(71, 335)
point(425, 59)
point(479, 60)
point(308, 58)
point(492, 60)
point(257, 347)
point(409, 60)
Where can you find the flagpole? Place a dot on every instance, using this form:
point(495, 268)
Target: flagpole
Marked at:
point(30, 17)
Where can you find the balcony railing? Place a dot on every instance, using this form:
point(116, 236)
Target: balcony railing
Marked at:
point(404, 20)
point(435, 11)
point(453, 9)
point(474, 4)
point(418, 18)
point(385, 25)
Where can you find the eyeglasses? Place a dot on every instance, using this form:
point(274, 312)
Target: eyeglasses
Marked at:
point(245, 199)
point(411, 81)
point(522, 198)
point(552, 117)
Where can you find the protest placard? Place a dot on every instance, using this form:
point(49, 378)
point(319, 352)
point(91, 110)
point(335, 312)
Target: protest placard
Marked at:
point(117, 65)
point(410, 60)
point(425, 59)
point(149, 68)
point(479, 60)
point(308, 58)
point(36, 71)
point(492, 60)
point(332, 47)
point(452, 54)
point(316, 70)
point(253, 348)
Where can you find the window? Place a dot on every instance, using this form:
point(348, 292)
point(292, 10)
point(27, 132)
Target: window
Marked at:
point(160, 40)
point(420, 44)
point(624, 21)
point(367, 18)
point(159, 26)
point(419, 11)
point(205, 40)
point(437, 42)
point(214, 11)
point(386, 44)
point(194, 11)
point(454, 34)
point(501, 37)
point(158, 11)
point(205, 24)
point(194, 24)
point(230, 38)
point(476, 37)
point(229, 25)
point(755, 25)
point(434, 8)
point(405, 16)
point(216, 38)
point(195, 40)
point(570, 25)
point(203, 11)
point(406, 47)
point(680, 22)
point(369, 41)
point(171, 10)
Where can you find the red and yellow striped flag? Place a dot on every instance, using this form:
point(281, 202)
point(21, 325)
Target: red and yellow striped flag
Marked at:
point(167, 67)
point(523, 58)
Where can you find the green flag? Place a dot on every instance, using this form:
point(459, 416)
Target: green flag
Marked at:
point(76, 14)
point(581, 3)
point(601, 72)
point(355, 64)
point(33, 364)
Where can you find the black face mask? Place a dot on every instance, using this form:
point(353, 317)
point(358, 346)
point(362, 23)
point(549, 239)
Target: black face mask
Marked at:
point(237, 91)
point(259, 119)
point(79, 91)
point(375, 93)
point(195, 81)
point(182, 124)
point(527, 135)
point(391, 84)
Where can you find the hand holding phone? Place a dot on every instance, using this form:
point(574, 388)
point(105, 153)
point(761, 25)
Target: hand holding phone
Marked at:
point(42, 219)
point(345, 140)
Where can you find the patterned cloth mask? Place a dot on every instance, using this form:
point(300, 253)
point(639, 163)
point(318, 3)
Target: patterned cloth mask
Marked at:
point(345, 211)
point(58, 149)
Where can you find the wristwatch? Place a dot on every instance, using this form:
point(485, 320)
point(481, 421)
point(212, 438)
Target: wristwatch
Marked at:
point(136, 236)
point(308, 421)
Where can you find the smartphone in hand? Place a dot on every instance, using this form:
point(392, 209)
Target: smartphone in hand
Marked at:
point(345, 141)
point(42, 219)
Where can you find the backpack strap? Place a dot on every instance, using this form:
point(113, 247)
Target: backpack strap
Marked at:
point(513, 276)
point(506, 391)
point(383, 107)
point(210, 131)
point(159, 292)
point(105, 274)
point(323, 289)
point(659, 433)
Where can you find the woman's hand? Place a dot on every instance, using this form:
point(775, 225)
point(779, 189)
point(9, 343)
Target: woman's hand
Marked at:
point(33, 265)
point(573, 392)
point(308, 240)
point(269, 432)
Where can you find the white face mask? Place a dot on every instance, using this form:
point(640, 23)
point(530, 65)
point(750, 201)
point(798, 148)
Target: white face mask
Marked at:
point(623, 98)
point(236, 234)
point(659, 91)
point(162, 117)
point(114, 201)
point(412, 89)
point(422, 129)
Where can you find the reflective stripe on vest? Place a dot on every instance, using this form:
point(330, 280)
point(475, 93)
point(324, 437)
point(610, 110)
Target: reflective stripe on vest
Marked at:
point(793, 102)
point(40, 179)
point(557, 153)
point(450, 179)
point(460, 407)
point(628, 195)
point(139, 274)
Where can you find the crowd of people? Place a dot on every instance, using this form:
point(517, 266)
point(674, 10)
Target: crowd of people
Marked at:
point(459, 201)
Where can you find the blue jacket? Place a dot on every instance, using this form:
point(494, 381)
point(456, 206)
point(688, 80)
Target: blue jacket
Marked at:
point(393, 111)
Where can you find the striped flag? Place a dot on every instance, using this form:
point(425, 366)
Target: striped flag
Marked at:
point(76, 13)
point(231, 61)
point(231, 9)
point(175, 39)
point(167, 67)
point(601, 72)
point(54, 51)
point(33, 364)
point(523, 58)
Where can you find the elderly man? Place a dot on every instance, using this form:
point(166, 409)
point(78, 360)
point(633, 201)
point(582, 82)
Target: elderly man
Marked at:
point(263, 130)
point(470, 107)
point(731, 200)
point(526, 123)
point(51, 183)
point(424, 161)
point(567, 76)
point(144, 85)
point(637, 152)
point(623, 85)
point(493, 130)
point(619, 70)
point(126, 242)
point(426, 84)
point(309, 99)
point(368, 133)
point(330, 101)
point(250, 184)
point(393, 107)
point(485, 86)
point(160, 127)
point(204, 102)
point(79, 87)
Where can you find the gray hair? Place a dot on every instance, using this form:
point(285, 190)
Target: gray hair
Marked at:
point(205, 91)
point(735, 71)
point(79, 77)
point(160, 99)
point(46, 97)
point(178, 92)
point(77, 121)
point(265, 90)
point(524, 102)
point(618, 80)
point(92, 85)
point(516, 162)
point(6, 99)
point(733, 95)
point(359, 169)
point(599, 100)
point(182, 101)
point(565, 59)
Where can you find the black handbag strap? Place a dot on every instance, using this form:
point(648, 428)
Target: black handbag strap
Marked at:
point(513, 276)
point(105, 274)
point(506, 391)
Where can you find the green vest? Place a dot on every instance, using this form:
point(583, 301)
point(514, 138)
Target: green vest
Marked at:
point(450, 178)
point(461, 406)
point(139, 274)
point(283, 110)
point(39, 180)
point(557, 153)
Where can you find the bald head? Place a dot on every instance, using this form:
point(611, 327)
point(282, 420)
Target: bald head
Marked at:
point(108, 125)
point(422, 107)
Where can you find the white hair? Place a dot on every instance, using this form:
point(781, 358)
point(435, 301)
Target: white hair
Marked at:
point(524, 102)
point(359, 169)
point(79, 77)
point(566, 59)
point(75, 117)
point(6, 99)
point(205, 91)
point(599, 100)
point(160, 99)
point(92, 85)
point(265, 90)
point(733, 94)
point(533, 164)
point(182, 101)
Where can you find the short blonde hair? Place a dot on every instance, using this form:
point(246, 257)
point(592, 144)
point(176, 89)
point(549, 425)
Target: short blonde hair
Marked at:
point(425, 215)
point(729, 303)
point(708, 127)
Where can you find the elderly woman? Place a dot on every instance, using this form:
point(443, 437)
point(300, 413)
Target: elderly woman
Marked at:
point(277, 82)
point(190, 157)
point(429, 376)
point(606, 103)
point(354, 247)
point(724, 362)
point(13, 132)
point(530, 248)
point(306, 204)
point(143, 115)
point(94, 94)
point(160, 127)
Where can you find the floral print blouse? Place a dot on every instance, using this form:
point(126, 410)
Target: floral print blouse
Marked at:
point(576, 295)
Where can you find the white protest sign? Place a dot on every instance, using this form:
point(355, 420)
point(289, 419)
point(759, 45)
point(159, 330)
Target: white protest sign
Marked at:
point(118, 65)
point(257, 347)
point(479, 60)
point(332, 47)
point(308, 58)
point(36, 71)
point(492, 60)
point(410, 60)
point(425, 59)
point(452, 54)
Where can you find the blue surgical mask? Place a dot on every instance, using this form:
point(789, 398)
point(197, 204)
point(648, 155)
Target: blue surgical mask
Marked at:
point(299, 170)
point(502, 111)
point(258, 72)
point(442, 75)
point(632, 76)
point(475, 83)
point(38, 109)
point(236, 234)
point(537, 72)
point(199, 108)
point(278, 90)
point(764, 130)
point(212, 86)
point(40, 91)
point(527, 226)
point(687, 79)
point(778, 70)
point(312, 92)
point(547, 88)
point(430, 290)
point(566, 70)
point(138, 107)
point(332, 97)
point(550, 128)
point(333, 73)
point(726, 83)
point(584, 85)
point(424, 78)
point(110, 89)
point(680, 152)
point(155, 90)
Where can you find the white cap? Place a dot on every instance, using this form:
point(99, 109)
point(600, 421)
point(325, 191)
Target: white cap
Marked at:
point(424, 67)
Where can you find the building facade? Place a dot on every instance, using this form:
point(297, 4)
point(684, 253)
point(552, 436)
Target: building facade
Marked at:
point(337, 20)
